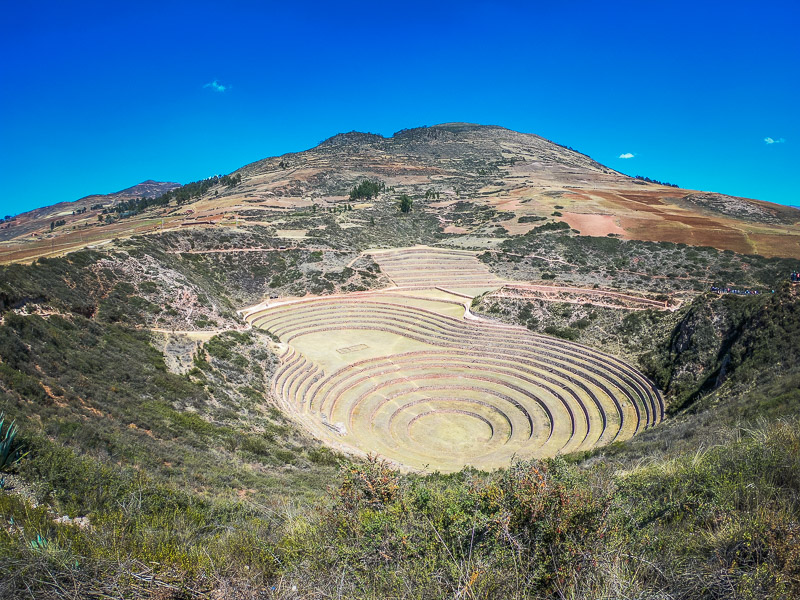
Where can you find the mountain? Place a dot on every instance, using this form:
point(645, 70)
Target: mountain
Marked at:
point(146, 189)
point(523, 176)
point(38, 220)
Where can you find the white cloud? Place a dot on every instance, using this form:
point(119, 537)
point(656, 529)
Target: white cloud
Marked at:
point(769, 140)
point(627, 155)
point(216, 86)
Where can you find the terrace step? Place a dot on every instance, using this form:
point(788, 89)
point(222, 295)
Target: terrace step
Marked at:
point(448, 391)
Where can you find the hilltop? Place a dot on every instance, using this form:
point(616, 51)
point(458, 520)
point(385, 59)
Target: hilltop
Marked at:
point(523, 177)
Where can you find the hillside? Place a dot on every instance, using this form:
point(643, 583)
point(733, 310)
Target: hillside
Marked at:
point(78, 214)
point(258, 386)
point(133, 425)
point(522, 178)
point(146, 189)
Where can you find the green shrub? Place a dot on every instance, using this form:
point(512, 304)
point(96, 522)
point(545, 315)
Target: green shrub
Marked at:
point(367, 189)
point(405, 203)
point(255, 444)
point(566, 333)
point(322, 456)
point(10, 451)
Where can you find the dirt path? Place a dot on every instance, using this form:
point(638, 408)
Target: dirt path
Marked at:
point(286, 249)
point(196, 334)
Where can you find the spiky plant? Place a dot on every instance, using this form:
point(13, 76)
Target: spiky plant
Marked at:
point(10, 453)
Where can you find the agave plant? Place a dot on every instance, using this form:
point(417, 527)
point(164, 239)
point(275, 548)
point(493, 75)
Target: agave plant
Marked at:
point(10, 454)
point(40, 543)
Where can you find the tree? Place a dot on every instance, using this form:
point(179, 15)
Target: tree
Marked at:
point(367, 189)
point(405, 203)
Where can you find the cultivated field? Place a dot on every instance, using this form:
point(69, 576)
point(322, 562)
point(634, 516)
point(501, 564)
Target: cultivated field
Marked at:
point(422, 267)
point(409, 373)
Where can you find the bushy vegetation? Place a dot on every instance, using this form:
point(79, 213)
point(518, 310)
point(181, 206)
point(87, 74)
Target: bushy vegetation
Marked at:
point(159, 463)
point(631, 264)
point(405, 203)
point(180, 195)
point(65, 283)
point(648, 180)
point(716, 523)
point(683, 528)
point(730, 341)
point(367, 189)
point(531, 219)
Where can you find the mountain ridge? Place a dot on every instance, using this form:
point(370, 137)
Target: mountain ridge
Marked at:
point(29, 221)
point(490, 167)
point(147, 189)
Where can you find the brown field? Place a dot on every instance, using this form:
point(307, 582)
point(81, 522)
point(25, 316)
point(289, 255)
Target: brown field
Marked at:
point(595, 225)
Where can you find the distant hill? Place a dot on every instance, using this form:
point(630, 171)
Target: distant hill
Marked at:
point(39, 219)
point(522, 174)
point(146, 189)
point(450, 170)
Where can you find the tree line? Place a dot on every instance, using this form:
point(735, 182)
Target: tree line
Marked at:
point(180, 195)
point(656, 181)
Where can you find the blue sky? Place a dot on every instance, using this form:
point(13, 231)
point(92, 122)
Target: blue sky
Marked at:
point(95, 97)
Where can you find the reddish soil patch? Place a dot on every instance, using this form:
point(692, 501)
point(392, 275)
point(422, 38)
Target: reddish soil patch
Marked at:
point(594, 225)
point(442, 203)
point(649, 198)
point(515, 228)
point(619, 200)
point(693, 221)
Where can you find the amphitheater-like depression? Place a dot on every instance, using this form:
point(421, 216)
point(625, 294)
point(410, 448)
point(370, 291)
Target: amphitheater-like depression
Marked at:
point(410, 374)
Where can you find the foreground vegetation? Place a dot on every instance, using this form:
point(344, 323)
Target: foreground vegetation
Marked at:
point(141, 481)
point(717, 523)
